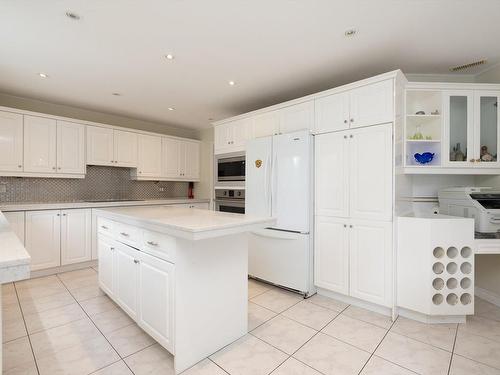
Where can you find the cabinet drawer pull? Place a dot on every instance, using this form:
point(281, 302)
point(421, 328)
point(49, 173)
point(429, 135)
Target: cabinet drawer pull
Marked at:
point(152, 243)
point(136, 261)
point(124, 234)
point(112, 248)
point(104, 227)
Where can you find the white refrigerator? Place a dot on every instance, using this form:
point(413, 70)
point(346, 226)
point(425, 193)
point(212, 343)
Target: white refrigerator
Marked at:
point(279, 183)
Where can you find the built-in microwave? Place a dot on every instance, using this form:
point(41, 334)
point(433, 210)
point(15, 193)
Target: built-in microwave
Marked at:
point(231, 169)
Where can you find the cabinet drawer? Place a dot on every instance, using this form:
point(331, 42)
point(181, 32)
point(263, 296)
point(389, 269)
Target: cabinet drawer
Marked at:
point(159, 245)
point(127, 234)
point(105, 226)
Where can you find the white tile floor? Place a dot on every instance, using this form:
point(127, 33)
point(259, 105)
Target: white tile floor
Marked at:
point(64, 324)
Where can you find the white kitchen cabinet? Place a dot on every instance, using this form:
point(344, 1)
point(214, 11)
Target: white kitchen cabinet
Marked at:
point(70, 148)
point(109, 147)
point(171, 158)
point(371, 262)
point(40, 137)
point(232, 136)
point(100, 143)
point(16, 222)
point(486, 128)
point(11, 142)
point(331, 113)
point(353, 173)
point(106, 253)
point(297, 117)
point(332, 174)
point(156, 298)
point(266, 124)
point(371, 170)
point(43, 238)
point(124, 149)
point(192, 161)
point(149, 156)
point(76, 236)
point(126, 271)
point(331, 256)
point(372, 104)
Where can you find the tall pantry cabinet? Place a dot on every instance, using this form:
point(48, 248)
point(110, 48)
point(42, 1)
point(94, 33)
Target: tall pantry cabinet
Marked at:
point(354, 167)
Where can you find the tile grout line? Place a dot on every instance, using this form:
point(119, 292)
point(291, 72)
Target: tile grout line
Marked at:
point(453, 349)
point(85, 312)
point(26, 328)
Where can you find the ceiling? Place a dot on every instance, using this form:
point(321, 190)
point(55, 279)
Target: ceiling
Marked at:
point(274, 50)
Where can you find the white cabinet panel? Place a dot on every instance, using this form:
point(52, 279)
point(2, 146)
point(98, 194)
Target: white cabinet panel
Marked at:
point(40, 136)
point(43, 238)
point(16, 222)
point(332, 174)
point(370, 154)
point(372, 104)
point(297, 117)
point(331, 254)
point(171, 157)
point(371, 261)
point(11, 142)
point(192, 169)
point(76, 236)
point(182, 159)
point(156, 299)
point(331, 113)
point(149, 156)
point(125, 149)
point(266, 124)
point(70, 148)
point(100, 146)
point(125, 282)
point(241, 133)
point(222, 137)
point(106, 266)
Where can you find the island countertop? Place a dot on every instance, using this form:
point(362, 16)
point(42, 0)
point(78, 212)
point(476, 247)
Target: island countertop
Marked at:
point(187, 223)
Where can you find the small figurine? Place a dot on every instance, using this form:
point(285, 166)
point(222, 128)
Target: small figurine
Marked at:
point(485, 155)
point(459, 155)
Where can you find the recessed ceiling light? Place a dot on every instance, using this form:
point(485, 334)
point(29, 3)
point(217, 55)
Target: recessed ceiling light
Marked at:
point(43, 75)
point(350, 32)
point(232, 83)
point(72, 15)
point(116, 94)
point(169, 56)
point(171, 108)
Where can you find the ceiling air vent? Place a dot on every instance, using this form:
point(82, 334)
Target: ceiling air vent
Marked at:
point(474, 64)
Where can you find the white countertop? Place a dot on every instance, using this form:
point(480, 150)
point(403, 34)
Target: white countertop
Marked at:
point(191, 224)
point(6, 207)
point(14, 259)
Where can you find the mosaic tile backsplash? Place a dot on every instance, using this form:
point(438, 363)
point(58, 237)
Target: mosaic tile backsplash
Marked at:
point(99, 183)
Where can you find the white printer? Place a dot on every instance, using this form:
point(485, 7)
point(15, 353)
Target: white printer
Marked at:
point(480, 203)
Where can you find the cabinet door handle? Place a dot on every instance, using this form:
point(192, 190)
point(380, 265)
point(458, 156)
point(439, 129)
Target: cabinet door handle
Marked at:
point(104, 227)
point(345, 121)
point(58, 215)
point(351, 136)
point(19, 166)
point(136, 261)
point(352, 120)
point(345, 225)
point(112, 248)
point(124, 234)
point(54, 168)
point(350, 226)
point(345, 136)
point(64, 214)
point(58, 167)
point(152, 243)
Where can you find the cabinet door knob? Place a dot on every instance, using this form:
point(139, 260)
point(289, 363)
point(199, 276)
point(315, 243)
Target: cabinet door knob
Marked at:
point(112, 248)
point(58, 167)
point(58, 215)
point(54, 168)
point(345, 136)
point(350, 226)
point(136, 261)
point(352, 120)
point(345, 225)
point(345, 121)
point(19, 166)
point(351, 136)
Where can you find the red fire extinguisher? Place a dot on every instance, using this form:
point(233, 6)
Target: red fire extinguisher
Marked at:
point(191, 190)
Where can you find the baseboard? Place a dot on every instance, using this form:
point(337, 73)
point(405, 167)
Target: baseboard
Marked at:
point(430, 319)
point(487, 296)
point(356, 302)
point(69, 267)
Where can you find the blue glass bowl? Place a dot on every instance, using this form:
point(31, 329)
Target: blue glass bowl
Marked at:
point(424, 158)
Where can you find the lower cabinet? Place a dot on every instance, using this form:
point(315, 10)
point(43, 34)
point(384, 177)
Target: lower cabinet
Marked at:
point(354, 257)
point(54, 237)
point(141, 284)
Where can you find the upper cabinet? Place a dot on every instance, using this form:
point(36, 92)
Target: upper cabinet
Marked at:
point(52, 146)
point(180, 159)
point(11, 142)
point(232, 136)
point(297, 117)
point(266, 124)
point(106, 146)
point(371, 104)
point(456, 128)
point(149, 156)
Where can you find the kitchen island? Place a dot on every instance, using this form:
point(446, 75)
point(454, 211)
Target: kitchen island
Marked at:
point(180, 273)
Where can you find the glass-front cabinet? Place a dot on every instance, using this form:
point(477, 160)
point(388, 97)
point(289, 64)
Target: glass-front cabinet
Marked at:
point(486, 119)
point(471, 129)
point(458, 128)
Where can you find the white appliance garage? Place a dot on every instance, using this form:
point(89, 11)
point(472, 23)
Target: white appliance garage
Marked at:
point(279, 184)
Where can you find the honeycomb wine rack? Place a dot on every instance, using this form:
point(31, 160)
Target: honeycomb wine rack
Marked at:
point(436, 265)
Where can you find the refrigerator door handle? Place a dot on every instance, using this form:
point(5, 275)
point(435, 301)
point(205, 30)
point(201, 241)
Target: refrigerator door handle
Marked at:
point(274, 178)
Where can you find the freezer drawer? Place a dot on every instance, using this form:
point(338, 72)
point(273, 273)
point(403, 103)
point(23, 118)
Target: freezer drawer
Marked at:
point(282, 258)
